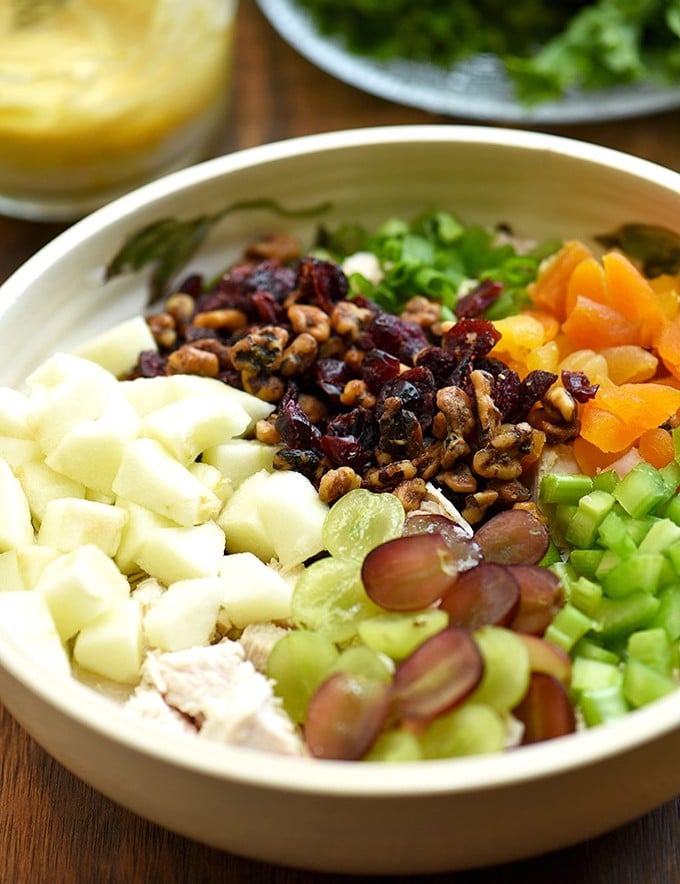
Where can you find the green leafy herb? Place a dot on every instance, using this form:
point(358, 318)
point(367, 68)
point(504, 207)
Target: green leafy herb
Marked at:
point(547, 48)
point(656, 248)
point(436, 255)
point(168, 244)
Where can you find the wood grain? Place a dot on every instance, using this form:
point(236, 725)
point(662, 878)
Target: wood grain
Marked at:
point(55, 829)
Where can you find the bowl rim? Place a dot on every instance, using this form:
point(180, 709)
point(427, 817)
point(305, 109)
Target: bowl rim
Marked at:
point(301, 775)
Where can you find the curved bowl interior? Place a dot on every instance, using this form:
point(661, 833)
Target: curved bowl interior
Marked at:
point(329, 816)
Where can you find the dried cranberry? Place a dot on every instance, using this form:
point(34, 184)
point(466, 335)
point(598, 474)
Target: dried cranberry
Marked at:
point(416, 390)
point(479, 299)
point(378, 367)
point(401, 434)
point(295, 428)
point(321, 283)
point(345, 451)
point(470, 337)
point(331, 375)
point(397, 336)
point(577, 383)
point(191, 285)
point(528, 392)
point(439, 362)
point(266, 308)
point(360, 423)
point(150, 365)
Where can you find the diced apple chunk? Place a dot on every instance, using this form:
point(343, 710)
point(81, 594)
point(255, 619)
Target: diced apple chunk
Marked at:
point(118, 348)
point(16, 528)
point(150, 476)
point(14, 414)
point(64, 391)
point(70, 522)
point(141, 523)
point(293, 515)
point(213, 479)
point(79, 586)
point(19, 451)
point(241, 521)
point(149, 394)
point(237, 459)
point(185, 615)
point(172, 554)
point(188, 427)
point(26, 619)
point(90, 452)
point(10, 574)
point(33, 560)
point(42, 484)
point(112, 645)
point(253, 592)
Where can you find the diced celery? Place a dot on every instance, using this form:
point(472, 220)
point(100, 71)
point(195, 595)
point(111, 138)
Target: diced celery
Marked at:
point(672, 509)
point(567, 627)
point(555, 488)
point(591, 650)
point(638, 572)
point(638, 528)
point(613, 534)
point(608, 561)
point(603, 704)
point(642, 684)
point(641, 490)
point(671, 474)
point(586, 561)
point(551, 556)
point(668, 614)
point(668, 577)
point(564, 513)
point(615, 618)
point(591, 510)
point(673, 554)
point(607, 480)
point(566, 574)
point(585, 595)
point(662, 534)
point(653, 648)
point(591, 675)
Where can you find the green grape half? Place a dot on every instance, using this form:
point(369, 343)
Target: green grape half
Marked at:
point(297, 664)
point(360, 521)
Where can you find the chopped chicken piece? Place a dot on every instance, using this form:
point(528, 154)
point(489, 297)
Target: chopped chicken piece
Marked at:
point(258, 639)
point(147, 703)
point(227, 698)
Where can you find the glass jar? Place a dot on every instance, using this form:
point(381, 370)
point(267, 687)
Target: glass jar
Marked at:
point(100, 96)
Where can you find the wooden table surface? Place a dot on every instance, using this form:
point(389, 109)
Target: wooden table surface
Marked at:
point(55, 829)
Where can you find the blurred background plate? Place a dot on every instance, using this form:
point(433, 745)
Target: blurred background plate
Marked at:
point(476, 89)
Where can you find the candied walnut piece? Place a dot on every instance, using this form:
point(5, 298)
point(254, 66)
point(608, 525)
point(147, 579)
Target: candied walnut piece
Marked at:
point(389, 475)
point(421, 311)
point(501, 457)
point(459, 480)
point(299, 355)
point(213, 345)
point(181, 306)
point(456, 423)
point(227, 319)
point(164, 330)
point(268, 387)
point(355, 392)
point(278, 246)
point(350, 320)
point(259, 350)
point(310, 319)
point(428, 462)
point(477, 504)
point(337, 482)
point(313, 407)
point(556, 416)
point(189, 359)
point(265, 431)
point(488, 415)
point(411, 493)
point(510, 491)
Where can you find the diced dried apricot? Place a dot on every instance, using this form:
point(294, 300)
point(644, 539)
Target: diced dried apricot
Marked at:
point(631, 295)
point(587, 280)
point(595, 325)
point(656, 447)
point(590, 458)
point(549, 291)
point(667, 343)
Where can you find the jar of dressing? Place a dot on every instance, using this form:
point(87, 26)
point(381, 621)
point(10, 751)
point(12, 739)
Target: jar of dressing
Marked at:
point(100, 96)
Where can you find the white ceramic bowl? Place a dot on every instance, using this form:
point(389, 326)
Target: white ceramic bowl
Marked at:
point(343, 817)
